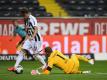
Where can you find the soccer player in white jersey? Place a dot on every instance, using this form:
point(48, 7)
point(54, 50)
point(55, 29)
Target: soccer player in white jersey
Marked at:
point(33, 42)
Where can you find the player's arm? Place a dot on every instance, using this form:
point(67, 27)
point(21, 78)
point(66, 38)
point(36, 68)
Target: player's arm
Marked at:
point(27, 36)
point(40, 71)
point(34, 23)
point(35, 31)
point(49, 67)
point(47, 70)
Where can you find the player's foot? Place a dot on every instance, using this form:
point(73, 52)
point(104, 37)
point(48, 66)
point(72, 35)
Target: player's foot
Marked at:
point(11, 69)
point(91, 61)
point(86, 72)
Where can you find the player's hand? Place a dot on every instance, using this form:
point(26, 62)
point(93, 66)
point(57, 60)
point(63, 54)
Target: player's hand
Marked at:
point(35, 72)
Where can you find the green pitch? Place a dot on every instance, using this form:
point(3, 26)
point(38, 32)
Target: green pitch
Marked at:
point(99, 72)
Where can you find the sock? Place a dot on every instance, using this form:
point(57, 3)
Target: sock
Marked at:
point(19, 59)
point(40, 59)
point(83, 58)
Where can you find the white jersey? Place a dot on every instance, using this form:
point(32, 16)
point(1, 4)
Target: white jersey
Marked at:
point(35, 44)
point(30, 24)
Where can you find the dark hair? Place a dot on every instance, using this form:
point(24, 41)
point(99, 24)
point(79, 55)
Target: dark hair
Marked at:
point(25, 10)
point(48, 50)
point(14, 20)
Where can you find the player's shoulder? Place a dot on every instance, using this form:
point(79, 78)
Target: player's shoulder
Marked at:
point(33, 20)
point(53, 54)
point(32, 17)
point(57, 51)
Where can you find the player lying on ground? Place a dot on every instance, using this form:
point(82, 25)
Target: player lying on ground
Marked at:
point(68, 65)
point(32, 43)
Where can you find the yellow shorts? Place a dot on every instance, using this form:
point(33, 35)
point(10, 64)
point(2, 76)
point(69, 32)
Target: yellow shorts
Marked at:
point(19, 47)
point(72, 65)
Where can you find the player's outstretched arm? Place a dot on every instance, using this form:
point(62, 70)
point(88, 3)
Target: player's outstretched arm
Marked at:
point(39, 71)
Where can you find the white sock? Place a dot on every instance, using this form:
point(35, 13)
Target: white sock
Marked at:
point(19, 59)
point(41, 59)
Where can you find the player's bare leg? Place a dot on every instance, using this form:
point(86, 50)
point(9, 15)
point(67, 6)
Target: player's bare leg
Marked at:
point(18, 61)
point(40, 58)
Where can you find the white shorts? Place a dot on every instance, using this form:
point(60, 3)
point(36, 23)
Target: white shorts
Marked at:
point(32, 46)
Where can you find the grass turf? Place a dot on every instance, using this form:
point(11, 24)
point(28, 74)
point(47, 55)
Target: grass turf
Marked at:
point(99, 72)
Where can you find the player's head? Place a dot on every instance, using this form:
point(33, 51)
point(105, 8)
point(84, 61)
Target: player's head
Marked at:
point(15, 22)
point(25, 12)
point(48, 51)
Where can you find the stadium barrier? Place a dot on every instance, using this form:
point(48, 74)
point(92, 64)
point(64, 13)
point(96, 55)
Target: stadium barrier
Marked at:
point(61, 26)
point(69, 35)
point(66, 44)
point(13, 57)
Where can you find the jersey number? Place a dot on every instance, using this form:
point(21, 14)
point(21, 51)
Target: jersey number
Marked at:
point(61, 57)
